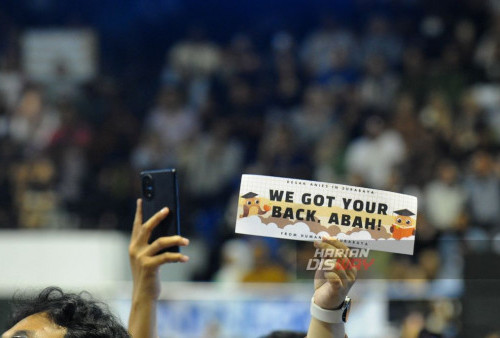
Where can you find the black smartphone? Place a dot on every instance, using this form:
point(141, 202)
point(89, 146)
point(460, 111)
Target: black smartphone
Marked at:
point(159, 190)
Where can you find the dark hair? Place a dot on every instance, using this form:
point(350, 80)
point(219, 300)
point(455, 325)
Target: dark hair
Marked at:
point(81, 315)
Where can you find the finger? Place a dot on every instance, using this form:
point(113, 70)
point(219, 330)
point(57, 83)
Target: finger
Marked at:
point(335, 242)
point(341, 272)
point(351, 275)
point(167, 257)
point(152, 223)
point(319, 278)
point(164, 243)
point(352, 272)
point(138, 218)
point(334, 279)
point(336, 251)
point(346, 272)
point(347, 262)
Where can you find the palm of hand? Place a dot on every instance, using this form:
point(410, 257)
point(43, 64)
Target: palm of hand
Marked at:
point(332, 286)
point(329, 292)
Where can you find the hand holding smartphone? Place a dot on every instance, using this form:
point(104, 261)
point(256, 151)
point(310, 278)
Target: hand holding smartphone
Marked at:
point(159, 190)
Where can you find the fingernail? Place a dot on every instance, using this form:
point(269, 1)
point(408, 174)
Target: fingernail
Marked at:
point(317, 243)
point(186, 241)
point(164, 210)
point(184, 258)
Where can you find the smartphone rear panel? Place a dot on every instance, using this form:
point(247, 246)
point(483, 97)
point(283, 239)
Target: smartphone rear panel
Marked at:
point(159, 190)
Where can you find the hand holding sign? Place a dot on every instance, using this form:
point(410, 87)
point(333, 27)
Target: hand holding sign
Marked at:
point(331, 286)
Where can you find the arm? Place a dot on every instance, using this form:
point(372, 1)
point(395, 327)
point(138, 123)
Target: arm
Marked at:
point(145, 265)
point(331, 288)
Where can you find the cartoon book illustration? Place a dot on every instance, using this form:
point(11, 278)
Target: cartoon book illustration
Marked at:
point(404, 224)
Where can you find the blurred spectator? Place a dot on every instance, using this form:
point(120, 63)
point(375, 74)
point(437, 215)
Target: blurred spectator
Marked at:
point(67, 146)
point(379, 85)
point(483, 192)
point(172, 124)
point(329, 156)
point(444, 197)
point(315, 117)
point(418, 167)
point(194, 60)
point(264, 269)
point(440, 319)
point(63, 86)
point(195, 57)
point(448, 75)
point(35, 194)
point(376, 154)
point(471, 128)
point(465, 37)
point(7, 206)
point(245, 115)
point(11, 80)
point(327, 48)
point(405, 119)
point(33, 121)
point(236, 261)
point(288, 76)
point(241, 59)
point(412, 325)
point(382, 40)
point(212, 163)
point(487, 54)
point(414, 77)
point(436, 116)
point(149, 153)
point(281, 154)
point(4, 119)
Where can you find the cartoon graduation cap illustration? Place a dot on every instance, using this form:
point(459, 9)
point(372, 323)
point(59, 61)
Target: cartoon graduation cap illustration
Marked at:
point(249, 195)
point(404, 224)
point(252, 205)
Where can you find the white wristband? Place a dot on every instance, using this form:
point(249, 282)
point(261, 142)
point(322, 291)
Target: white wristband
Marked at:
point(327, 316)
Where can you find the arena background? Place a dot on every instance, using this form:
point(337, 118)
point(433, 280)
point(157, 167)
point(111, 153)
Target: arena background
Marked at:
point(398, 95)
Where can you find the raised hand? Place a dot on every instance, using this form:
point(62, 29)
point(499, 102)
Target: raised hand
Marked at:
point(145, 263)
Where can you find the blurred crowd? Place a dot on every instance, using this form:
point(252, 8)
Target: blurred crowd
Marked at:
point(410, 106)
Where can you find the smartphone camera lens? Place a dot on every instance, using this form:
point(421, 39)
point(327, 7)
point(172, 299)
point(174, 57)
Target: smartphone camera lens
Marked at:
point(147, 187)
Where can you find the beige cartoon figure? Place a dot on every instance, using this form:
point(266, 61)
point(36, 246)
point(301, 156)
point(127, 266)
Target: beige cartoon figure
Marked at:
point(252, 205)
point(404, 224)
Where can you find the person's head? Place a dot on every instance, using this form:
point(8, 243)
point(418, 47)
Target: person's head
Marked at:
point(55, 314)
point(374, 126)
point(171, 96)
point(482, 163)
point(447, 172)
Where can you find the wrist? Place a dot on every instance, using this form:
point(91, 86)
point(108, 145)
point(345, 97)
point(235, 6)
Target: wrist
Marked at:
point(329, 305)
point(329, 315)
point(146, 290)
point(337, 306)
point(146, 301)
point(142, 296)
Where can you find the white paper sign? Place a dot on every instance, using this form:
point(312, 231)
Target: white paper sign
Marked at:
point(307, 210)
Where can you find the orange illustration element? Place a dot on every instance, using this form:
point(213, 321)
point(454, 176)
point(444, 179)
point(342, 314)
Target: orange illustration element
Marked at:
point(404, 224)
point(252, 205)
